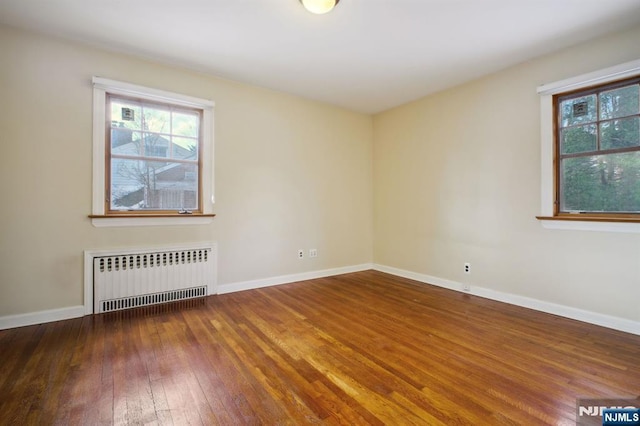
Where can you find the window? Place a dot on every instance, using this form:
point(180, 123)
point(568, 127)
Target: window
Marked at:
point(153, 156)
point(597, 143)
point(152, 159)
point(590, 153)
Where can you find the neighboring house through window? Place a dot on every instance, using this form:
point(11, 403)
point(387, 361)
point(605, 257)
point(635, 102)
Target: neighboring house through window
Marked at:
point(153, 155)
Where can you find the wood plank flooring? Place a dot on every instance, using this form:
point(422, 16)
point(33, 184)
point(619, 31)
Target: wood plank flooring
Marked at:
point(356, 349)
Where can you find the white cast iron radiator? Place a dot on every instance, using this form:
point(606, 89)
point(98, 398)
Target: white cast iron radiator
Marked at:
point(147, 277)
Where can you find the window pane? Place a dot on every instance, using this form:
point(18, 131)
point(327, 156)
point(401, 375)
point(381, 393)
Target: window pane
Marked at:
point(185, 148)
point(620, 102)
point(127, 114)
point(185, 124)
point(620, 133)
point(155, 145)
point(125, 141)
point(579, 139)
point(157, 120)
point(153, 185)
point(601, 183)
point(578, 110)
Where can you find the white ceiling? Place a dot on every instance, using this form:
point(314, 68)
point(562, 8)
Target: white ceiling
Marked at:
point(366, 55)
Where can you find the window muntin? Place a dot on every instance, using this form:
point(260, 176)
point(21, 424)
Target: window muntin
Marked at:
point(598, 150)
point(154, 157)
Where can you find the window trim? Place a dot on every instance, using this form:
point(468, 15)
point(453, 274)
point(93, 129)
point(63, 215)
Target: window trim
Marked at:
point(548, 215)
point(100, 217)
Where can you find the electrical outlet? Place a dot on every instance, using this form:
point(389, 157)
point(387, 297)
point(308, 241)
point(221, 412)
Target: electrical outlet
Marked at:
point(467, 268)
point(313, 252)
point(300, 254)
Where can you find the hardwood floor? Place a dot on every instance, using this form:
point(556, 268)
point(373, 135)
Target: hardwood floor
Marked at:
point(362, 348)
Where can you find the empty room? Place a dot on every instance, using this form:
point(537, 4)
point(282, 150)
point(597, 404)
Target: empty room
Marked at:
point(320, 212)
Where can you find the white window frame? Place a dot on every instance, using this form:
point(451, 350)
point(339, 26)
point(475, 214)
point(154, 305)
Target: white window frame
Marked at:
point(546, 92)
point(102, 86)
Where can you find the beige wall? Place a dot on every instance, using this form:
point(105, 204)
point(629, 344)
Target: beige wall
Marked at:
point(457, 179)
point(289, 174)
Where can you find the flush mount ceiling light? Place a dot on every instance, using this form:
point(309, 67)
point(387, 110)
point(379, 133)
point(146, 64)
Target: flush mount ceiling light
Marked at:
point(319, 6)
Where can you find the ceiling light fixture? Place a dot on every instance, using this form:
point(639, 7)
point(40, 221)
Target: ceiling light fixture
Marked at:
point(319, 6)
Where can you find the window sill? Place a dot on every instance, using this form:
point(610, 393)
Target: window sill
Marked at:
point(590, 223)
point(103, 221)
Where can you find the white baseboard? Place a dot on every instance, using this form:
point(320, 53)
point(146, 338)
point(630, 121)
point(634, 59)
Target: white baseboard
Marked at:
point(603, 320)
point(22, 320)
point(286, 279)
point(616, 323)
